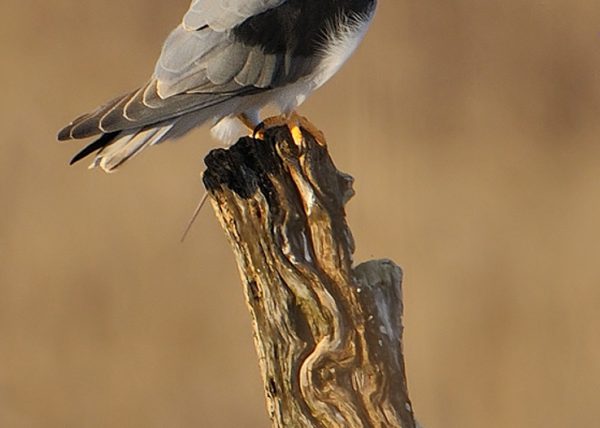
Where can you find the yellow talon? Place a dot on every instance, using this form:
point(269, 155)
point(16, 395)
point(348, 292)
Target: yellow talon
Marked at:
point(304, 123)
point(296, 134)
point(295, 124)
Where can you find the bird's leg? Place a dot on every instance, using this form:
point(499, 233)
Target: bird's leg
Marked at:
point(248, 123)
point(295, 123)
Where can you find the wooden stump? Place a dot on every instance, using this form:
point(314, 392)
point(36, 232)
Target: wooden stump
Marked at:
point(328, 336)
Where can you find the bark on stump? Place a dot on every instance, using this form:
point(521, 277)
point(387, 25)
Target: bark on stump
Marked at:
point(328, 336)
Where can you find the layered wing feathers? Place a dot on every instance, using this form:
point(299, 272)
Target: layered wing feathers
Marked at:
point(202, 65)
point(222, 15)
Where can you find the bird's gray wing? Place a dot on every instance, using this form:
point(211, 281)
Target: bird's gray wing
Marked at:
point(198, 68)
point(206, 61)
point(222, 15)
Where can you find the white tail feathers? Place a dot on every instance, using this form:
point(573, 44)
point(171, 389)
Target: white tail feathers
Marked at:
point(127, 146)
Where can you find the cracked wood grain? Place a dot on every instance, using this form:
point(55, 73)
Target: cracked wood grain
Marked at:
point(328, 336)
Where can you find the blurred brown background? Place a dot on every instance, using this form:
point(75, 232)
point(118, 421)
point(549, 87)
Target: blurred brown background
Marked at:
point(471, 128)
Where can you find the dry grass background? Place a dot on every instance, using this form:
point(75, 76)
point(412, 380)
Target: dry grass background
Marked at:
point(472, 130)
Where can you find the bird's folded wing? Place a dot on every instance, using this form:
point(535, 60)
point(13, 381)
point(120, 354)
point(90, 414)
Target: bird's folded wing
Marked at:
point(205, 61)
point(197, 69)
point(222, 15)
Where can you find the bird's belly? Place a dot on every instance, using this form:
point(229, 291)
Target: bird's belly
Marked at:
point(342, 42)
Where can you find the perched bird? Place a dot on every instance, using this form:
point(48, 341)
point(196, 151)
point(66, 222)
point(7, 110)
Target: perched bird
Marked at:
point(226, 61)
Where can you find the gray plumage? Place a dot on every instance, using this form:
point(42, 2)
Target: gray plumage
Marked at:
point(204, 74)
point(222, 15)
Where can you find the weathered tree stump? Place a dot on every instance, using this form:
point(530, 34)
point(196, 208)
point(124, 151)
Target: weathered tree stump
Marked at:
point(328, 336)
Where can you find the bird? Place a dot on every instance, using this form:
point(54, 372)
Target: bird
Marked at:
point(223, 63)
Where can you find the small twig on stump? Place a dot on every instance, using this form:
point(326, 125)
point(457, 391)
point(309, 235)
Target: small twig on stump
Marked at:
point(328, 337)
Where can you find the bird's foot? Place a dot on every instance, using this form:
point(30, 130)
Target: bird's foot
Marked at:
point(295, 123)
point(247, 122)
point(301, 122)
point(270, 122)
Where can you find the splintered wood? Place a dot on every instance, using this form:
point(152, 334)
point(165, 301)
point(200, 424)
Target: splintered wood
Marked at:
point(328, 336)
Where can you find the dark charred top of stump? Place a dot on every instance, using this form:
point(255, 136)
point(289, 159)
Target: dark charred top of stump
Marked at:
point(244, 167)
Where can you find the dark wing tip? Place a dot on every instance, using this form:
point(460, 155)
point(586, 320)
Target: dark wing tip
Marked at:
point(100, 143)
point(88, 125)
point(65, 133)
